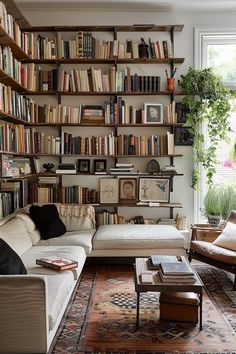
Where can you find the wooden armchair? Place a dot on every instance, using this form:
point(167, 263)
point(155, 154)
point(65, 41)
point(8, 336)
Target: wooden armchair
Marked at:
point(216, 256)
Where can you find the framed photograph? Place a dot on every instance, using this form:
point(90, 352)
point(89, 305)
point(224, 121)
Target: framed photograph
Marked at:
point(153, 113)
point(128, 190)
point(181, 110)
point(100, 165)
point(84, 166)
point(154, 190)
point(109, 190)
point(183, 136)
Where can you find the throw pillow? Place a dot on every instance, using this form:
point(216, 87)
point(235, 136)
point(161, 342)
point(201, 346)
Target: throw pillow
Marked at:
point(47, 220)
point(227, 239)
point(10, 262)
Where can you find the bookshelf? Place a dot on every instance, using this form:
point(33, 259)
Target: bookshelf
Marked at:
point(25, 58)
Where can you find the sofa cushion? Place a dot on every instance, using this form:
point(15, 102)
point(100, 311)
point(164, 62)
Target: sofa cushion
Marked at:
point(74, 238)
point(227, 239)
point(30, 227)
point(209, 250)
point(137, 237)
point(10, 262)
point(71, 252)
point(59, 287)
point(16, 235)
point(47, 220)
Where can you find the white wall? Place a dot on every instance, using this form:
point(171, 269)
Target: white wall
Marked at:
point(183, 48)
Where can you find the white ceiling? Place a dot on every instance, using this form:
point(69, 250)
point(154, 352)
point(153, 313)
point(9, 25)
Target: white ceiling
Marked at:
point(134, 5)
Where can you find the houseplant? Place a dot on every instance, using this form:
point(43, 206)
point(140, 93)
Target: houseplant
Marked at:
point(213, 205)
point(208, 101)
point(228, 200)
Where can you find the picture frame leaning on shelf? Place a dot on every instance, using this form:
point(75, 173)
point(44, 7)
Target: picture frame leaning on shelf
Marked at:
point(154, 190)
point(153, 113)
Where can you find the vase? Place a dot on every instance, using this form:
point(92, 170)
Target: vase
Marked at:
point(214, 221)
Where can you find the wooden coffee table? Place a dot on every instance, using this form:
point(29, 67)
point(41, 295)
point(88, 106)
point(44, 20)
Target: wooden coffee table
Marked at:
point(142, 266)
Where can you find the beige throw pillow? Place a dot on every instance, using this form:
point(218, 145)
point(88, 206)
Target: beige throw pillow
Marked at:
point(227, 239)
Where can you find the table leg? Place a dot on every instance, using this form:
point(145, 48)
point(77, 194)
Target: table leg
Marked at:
point(137, 309)
point(200, 298)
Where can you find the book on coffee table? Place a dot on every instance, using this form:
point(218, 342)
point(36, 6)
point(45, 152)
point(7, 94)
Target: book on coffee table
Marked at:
point(189, 279)
point(156, 260)
point(176, 269)
point(57, 263)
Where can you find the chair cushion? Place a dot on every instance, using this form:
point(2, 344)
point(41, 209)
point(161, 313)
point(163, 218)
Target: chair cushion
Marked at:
point(10, 262)
point(47, 220)
point(137, 237)
point(74, 238)
point(209, 250)
point(227, 239)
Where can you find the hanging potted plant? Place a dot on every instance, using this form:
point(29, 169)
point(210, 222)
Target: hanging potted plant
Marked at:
point(208, 102)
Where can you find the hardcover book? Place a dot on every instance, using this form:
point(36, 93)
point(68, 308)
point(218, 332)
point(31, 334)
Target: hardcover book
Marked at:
point(57, 263)
point(156, 260)
point(176, 268)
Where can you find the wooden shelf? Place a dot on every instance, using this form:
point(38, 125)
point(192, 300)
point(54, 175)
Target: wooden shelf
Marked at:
point(108, 156)
point(9, 81)
point(6, 40)
point(12, 119)
point(162, 205)
point(120, 28)
point(20, 177)
point(114, 175)
point(61, 93)
point(15, 153)
point(104, 61)
point(138, 125)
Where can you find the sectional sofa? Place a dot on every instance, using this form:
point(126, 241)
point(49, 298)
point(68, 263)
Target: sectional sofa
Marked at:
point(32, 305)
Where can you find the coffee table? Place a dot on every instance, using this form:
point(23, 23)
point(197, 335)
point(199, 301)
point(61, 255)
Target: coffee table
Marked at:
point(142, 266)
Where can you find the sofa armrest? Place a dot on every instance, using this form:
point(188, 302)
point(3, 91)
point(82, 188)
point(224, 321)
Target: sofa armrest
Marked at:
point(23, 308)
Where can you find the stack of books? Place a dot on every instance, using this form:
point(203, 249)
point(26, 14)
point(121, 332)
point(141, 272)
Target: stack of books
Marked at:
point(167, 221)
point(168, 170)
point(92, 114)
point(66, 168)
point(176, 272)
point(123, 169)
point(154, 261)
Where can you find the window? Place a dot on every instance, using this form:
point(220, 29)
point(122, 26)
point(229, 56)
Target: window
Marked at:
point(217, 49)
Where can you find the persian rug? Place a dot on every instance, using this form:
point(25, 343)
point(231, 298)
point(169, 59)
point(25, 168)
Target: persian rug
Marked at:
point(102, 313)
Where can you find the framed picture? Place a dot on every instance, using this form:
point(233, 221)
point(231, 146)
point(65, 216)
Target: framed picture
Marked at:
point(181, 110)
point(153, 113)
point(183, 136)
point(127, 190)
point(84, 166)
point(154, 190)
point(100, 165)
point(109, 190)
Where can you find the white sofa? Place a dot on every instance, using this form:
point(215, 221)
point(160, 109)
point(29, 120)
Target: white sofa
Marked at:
point(32, 305)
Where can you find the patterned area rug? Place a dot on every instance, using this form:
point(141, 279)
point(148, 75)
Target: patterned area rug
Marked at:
point(101, 317)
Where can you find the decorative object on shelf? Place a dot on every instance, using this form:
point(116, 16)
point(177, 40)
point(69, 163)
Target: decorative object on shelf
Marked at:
point(183, 136)
point(181, 110)
point(128, 190)
point(153, 113)
point(209, 103)
point(143, 49)
point(154, 190)
point(100, 165)
point(153, 167)
point(181, 222)
point(48, 167)
point(170, 84)
point(109, 191)
point(84, 165)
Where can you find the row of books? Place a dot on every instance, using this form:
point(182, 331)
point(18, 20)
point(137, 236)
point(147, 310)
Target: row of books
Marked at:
point(35, 78)
point(14, 138)
point(85, 45)
point(9, 64)
point(13, 196)
point(8, 23)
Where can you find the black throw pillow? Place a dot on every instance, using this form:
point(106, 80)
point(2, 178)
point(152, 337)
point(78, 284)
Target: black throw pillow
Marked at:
point(47, 220)
point(10, 262)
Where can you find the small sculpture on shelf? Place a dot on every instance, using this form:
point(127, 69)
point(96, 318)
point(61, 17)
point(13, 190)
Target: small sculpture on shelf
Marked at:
point(153, 167)
point(48, 167)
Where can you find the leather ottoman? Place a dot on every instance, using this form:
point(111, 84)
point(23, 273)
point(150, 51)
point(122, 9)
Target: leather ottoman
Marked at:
point(179, 307)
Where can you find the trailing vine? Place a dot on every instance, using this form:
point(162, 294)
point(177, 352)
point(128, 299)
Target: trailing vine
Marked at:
point(208, 101)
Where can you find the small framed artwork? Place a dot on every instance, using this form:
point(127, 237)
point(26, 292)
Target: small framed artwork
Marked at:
point(100, 165)
point(109, 191)
point(153, 113)
point(183, 136)
point(84, 166)
point(181, 110)
point(154, 190)
point(128, 190)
